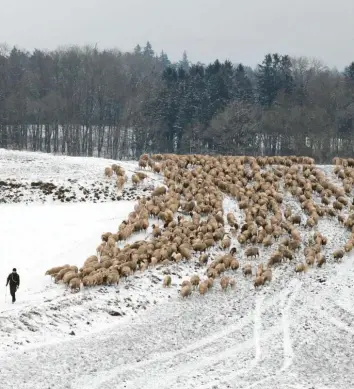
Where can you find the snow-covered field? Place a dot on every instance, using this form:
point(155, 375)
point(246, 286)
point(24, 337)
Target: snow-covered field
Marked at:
point(295, 333)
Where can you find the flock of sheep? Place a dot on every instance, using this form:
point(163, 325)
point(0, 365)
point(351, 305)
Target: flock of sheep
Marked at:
point(190, 207)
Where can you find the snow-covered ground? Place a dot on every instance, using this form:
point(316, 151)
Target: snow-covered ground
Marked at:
point(295, 333)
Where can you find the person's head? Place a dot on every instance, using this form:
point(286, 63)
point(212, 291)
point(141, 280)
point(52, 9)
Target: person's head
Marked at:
point(14, 270)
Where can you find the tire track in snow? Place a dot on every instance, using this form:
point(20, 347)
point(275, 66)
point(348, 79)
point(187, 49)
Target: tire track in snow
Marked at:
point(99, 380)
point(287, 344)
point(226, 354)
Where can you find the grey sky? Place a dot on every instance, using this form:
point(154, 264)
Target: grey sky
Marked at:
point(239, 30)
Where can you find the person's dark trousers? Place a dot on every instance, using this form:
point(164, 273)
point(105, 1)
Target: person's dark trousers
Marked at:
point(13, 292)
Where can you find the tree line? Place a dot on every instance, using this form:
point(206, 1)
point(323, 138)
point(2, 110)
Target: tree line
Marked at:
point(106, 103)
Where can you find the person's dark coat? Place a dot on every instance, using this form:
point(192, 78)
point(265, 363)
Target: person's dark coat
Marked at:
point(14, 280)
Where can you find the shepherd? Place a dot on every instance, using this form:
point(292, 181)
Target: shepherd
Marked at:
point(14, 280)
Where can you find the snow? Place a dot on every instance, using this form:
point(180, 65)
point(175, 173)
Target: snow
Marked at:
point(295, 333)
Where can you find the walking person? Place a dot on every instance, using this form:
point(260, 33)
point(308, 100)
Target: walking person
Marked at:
point(14, 280)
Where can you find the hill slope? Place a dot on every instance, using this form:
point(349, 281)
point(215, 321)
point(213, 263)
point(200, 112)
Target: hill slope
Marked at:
point(294, 333)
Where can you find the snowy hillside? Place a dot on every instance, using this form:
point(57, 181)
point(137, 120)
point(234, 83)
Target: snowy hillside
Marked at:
point(295, 332)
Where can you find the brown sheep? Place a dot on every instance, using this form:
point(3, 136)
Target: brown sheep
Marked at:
point(231, 219)
point(159, 191)
point(224, 282)
point(55, 270)
point(135, 179)
point(234, 265)
point(69, 276)
point(267, 275)
point(195, 280)
point(203, 287)
point(348, 247)
point(310, 260)
point(185, 252)
point(203, 259)
point(125, 271)
point(185, 283)
point(260, 270)
point(301, 268)
point(75, 284)
point(88, 281)
point(156, 231)
point(212, 273)
point(112, 278)
point(226, 242)
point(320, 260)
point(220, 268)
point(247, 270)
point(258, 281)
point(252, 252)
point(275, 258)
point(210, 282)
point(296, 219)
point(287, 254)
point(120, 182)
point(108, 172)
point(338, 254)
point(186, 291)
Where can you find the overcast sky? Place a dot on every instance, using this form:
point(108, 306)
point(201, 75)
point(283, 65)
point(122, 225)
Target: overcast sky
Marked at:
point(239, 30)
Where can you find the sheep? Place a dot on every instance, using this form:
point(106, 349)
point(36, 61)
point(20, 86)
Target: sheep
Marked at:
point(348, 247)
point(69, 276)
point(296, 219)
point(200, 190)
point(203, 259)
point(62, 272)
point(220, 268)
point(203, 287)
point(287, 254)
point(338, 254)
point(212, 273)
point(320, 260)
point(125, 271)
point(252, 252)
point(260, 270)
point(112, 278)
point(142, 163)
point(75, 284)
point(210, 282)
point(258, 281)
point(87, 270)
point(301, 268)
point(310, 260)
point(156, 231)
point(159, 191)
point(224, 282)
point(247, 270)
point(231, 219)
point(267, 275)
point(167, 281)
point(185, 252)
point(186, 283)
point(135, 179)
point(275, 258)
point(195, 280)
point(234, 265)
point(186, 291)
point(55, 270)
point(120, 182)
point(88, 281)
point(108, 172)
